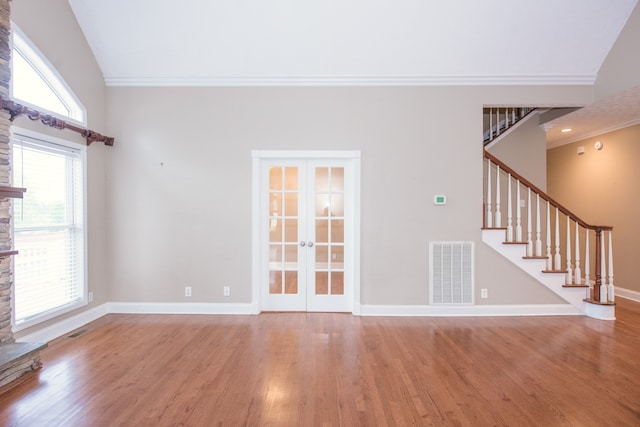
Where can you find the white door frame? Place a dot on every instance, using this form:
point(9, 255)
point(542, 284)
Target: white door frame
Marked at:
point(258, 226)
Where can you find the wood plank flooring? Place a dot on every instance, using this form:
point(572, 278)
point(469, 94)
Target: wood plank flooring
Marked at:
point(337, 370)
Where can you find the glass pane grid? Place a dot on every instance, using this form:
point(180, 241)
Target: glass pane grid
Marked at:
point(283, 230)
point(329, 223)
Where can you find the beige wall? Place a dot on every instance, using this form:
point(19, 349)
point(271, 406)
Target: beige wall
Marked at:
point(525, 151)
point(602, 187)
point(180, 183)
point(51, 26)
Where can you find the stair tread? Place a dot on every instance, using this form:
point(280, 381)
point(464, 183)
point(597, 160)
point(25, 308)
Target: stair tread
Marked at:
point(534, 257)
point(592, 301)
point(554, 271)
point(574, 286)
point(515, 243)
point(494, 228)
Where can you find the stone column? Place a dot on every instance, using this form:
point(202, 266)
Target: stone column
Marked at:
point(6, 335)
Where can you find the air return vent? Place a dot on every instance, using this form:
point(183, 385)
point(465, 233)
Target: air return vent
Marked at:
point(451, 268)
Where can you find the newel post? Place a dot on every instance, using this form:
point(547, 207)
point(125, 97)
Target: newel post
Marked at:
point(595, 293)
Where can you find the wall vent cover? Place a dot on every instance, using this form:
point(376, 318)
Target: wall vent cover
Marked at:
point(451, 273)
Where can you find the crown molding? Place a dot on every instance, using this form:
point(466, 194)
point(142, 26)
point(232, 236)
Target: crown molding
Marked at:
point(498, 80)
point(582, 137)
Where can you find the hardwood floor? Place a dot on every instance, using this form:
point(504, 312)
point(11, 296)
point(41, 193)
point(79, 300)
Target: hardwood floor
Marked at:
point(337, 369)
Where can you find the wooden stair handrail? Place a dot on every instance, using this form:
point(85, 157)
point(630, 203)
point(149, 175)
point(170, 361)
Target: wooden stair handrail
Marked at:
point(544, 195)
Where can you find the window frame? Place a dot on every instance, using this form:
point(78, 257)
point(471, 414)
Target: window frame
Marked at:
point(50, 76)
point(83, 258)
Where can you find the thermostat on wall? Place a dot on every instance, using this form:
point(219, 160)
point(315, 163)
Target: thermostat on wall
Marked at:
point(439, 200)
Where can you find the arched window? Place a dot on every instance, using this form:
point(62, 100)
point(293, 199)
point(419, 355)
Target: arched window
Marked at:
point(37, 84)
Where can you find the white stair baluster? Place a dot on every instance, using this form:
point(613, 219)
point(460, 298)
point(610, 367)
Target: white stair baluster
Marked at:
point(489, 215)
point(490, 124)
point(497, 121)
point(603, 270)
point(518, 213)
point(577, 271)
point(569, 275)
point(587, 279)
point(509, 211)
point(549, 265)
point(506, 118)
point(557, 262)
point(498, 220)
point(610, 290)
point(538, 225)
point(529, 221)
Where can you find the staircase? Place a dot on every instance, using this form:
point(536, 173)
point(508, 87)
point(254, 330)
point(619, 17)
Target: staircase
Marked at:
point(502, 120)
point(569, 256)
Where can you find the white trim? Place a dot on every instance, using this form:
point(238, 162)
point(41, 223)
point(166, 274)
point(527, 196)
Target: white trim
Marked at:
point(504, 80)
point(256, 209)
point(304, 155)
point(178, 308)
point(597, 311)
point(258, 156)
point(470, 310)
point(627, 294)
point(357, 221)
point(18, 132)
point(65, 326)
point(51, 77)
point(623, 125)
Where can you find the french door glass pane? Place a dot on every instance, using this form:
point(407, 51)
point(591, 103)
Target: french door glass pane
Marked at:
point(291, 179)
point(329, 224)
point(291, 282)
point(337, 283)
point(283, 230)
point(322, 283)
point(291, 230)
point(275, 282)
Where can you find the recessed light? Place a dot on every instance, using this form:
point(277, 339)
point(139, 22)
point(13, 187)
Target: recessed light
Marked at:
point(566, 130)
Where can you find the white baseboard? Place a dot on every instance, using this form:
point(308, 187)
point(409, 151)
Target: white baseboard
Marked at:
point(65, 326)
point(178, 308)
point(470, 310)
point(58, 329)
point(628, 294)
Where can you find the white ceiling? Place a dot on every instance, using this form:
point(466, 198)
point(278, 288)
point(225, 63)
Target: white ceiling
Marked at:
point(610, 114)
point(256, 42)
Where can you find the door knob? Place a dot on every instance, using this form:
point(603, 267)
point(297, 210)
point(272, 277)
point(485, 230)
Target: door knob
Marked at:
point(310, 244)
point(302, 244)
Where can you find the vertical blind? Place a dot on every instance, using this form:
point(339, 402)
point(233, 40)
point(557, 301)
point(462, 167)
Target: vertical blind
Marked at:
point(48, 229)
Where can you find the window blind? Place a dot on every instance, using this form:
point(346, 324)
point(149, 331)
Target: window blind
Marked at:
point(48, 229)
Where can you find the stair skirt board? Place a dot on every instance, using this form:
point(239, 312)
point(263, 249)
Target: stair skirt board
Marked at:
point(554, 281)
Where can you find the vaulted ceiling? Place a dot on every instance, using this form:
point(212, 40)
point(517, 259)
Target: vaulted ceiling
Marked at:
point(351, 42)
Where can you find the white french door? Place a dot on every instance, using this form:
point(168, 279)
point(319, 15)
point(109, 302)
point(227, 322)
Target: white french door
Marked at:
point(307, 234)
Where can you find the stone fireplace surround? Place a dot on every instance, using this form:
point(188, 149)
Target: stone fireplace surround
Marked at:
point(16, 359)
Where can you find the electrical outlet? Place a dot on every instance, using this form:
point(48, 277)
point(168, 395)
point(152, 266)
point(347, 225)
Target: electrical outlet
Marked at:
point(90, 296)
point(187, 291)
point(522, 203)
point(484, 293)
point(226, 291)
